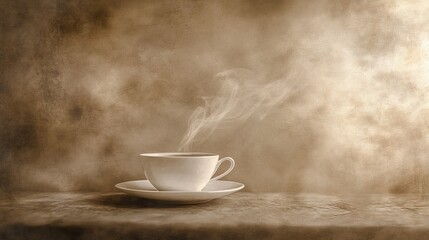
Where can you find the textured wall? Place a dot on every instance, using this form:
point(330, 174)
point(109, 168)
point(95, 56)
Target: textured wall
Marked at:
point(86, 86)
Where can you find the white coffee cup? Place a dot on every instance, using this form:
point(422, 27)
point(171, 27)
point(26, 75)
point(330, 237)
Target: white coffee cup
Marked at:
point(178, 171)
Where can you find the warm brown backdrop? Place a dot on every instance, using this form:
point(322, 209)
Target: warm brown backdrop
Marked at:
point(86, 86)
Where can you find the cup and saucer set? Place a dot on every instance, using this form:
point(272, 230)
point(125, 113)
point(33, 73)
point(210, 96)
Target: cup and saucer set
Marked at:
point(182, 178)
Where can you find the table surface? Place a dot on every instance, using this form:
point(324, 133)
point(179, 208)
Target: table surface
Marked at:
point(240, 215)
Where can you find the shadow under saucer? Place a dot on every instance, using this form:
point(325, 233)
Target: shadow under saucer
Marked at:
point(121, 200)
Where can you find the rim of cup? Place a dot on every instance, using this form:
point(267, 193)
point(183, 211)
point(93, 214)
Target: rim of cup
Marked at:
point(179, 154)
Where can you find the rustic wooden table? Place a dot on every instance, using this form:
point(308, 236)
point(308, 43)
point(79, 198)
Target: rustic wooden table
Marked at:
point(240, 215)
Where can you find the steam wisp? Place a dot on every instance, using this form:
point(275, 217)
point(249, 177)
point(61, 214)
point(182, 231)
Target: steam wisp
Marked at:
point(239, 98)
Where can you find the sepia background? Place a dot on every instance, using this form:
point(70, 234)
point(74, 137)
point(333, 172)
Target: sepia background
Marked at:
point(306, 96)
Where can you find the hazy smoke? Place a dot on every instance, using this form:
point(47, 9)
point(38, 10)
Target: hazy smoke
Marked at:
point(335, 99)
point(240, 97)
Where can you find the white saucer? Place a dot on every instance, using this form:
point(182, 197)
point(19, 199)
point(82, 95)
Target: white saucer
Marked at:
point(214, 189)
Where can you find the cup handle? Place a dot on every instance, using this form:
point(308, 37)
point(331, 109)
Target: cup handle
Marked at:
point(227, 171)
